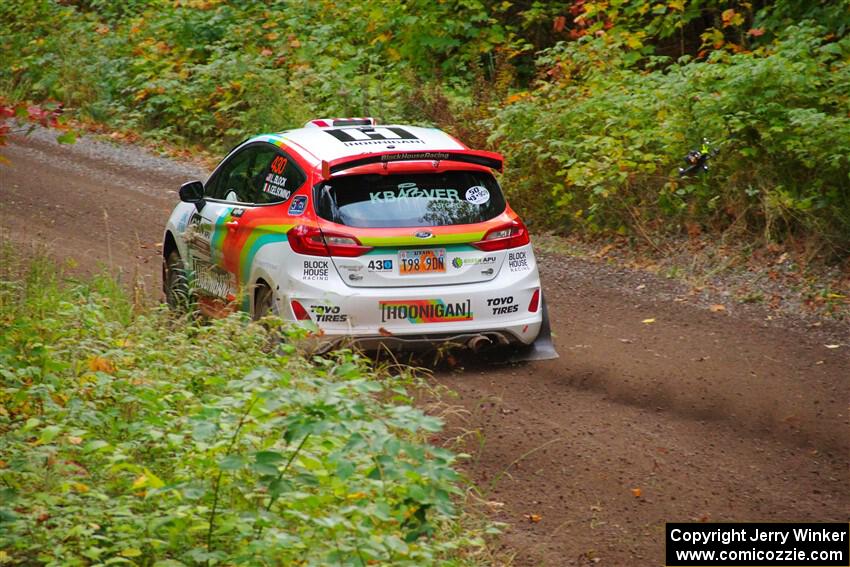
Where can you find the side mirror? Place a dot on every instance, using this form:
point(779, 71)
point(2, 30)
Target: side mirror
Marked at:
point(193, 192)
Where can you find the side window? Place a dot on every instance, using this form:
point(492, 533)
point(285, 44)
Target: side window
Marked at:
point(277, 179)
point(230, 182)
point(256, 174)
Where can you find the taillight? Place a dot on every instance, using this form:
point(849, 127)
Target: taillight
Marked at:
point(313, 241)
point(344, 245)
point(534, 304)
point(511, 235)
point(299, 311)
point(307, 240)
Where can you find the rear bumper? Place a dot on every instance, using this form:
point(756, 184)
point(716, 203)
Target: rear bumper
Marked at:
point(488, 338)
point(422, 316)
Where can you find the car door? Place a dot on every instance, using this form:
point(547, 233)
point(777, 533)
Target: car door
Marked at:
point(240, 197)
point(274, 178)
point(228, 194)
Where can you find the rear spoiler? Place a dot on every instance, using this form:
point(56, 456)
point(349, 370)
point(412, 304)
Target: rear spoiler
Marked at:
point(487, 159)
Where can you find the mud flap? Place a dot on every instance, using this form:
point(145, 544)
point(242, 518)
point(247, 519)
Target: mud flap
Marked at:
point(542, 347)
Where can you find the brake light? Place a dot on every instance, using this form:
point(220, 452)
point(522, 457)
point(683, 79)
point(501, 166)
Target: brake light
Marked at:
point(534, 304)
point(511, 235)
point(311, 240)
point(299, 311)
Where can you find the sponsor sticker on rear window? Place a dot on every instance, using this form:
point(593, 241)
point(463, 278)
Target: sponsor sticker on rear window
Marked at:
point(411, 191)
point(477, 195)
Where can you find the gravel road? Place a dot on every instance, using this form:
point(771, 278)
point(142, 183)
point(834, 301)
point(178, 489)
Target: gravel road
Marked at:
point(658, 409)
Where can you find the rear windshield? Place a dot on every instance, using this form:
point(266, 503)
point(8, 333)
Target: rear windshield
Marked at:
point(415, 199)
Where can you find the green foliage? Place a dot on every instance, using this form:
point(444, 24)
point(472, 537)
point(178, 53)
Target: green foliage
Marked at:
point(593, 101)
point(200, 70)
point(131, 437)
point(599, 139)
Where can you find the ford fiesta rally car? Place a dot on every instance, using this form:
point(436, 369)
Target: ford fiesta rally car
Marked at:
point(385, 235)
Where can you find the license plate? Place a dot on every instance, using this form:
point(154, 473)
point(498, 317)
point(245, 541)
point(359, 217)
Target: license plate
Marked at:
point(432, 260)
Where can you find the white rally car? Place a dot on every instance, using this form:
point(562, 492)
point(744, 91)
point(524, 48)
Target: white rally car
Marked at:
point(384, 235)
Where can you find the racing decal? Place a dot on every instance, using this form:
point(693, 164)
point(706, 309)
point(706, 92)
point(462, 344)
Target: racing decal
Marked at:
point(298, 206)
point(275, 183)
point(183, 221)
point(234, 251)
point(459, 262)
point(380, 266)
point(477, 195)
point(411, 191)
point(369, 135)
point(237, 213)
point(198, 236)
point(518, 261)
point(278, 165)
point(502, 305)
point(425, 311)
point(447, 235)
point(328, 314)
point(315, 270)
point(213, 280)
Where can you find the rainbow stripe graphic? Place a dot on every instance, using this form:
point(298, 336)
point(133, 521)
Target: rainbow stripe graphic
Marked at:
point(426, 310)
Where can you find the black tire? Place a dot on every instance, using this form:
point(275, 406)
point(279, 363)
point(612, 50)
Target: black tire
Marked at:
point(264, 302)
point(176, 283)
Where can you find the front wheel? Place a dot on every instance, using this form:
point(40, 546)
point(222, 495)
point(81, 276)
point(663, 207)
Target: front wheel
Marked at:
point(175, 282)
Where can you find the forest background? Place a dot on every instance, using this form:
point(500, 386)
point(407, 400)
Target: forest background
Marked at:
point(593, 102)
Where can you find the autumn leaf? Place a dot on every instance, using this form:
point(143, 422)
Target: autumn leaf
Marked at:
point(100, 364)
point(648, 321)
point(636, 492)
point(559, 23)
point(717, 308)
point(731, 18)
point(756, 32)
point(533, 518)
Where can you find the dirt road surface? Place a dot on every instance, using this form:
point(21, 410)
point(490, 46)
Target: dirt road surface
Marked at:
point(696, 416)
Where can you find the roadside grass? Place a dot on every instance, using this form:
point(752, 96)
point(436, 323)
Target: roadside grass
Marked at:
point(787, 279)
point(133, 436)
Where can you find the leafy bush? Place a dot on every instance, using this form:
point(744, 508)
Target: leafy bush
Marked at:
point(596, 144)
point(131, 437)
point(593, 101)
point(202, 70)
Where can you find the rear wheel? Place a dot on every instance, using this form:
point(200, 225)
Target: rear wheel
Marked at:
point(264, 302)
point(176, 282)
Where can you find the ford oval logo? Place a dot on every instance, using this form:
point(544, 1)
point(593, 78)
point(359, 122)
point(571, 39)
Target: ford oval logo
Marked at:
point(423, 234)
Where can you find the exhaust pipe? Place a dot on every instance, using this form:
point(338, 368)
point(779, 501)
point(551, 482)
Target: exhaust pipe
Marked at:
point(498, 338)
point(478, 342)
